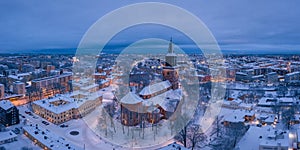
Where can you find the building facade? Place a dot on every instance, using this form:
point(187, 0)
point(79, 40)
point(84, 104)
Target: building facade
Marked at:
point(9, 114)
point(19, 88)
point(2, 93)
point(62, 108)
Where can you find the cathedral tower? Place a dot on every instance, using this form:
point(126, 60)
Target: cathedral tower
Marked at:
point(171, 57)
point(170, 72)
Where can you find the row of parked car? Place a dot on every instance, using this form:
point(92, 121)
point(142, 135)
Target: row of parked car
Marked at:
point(45, 122)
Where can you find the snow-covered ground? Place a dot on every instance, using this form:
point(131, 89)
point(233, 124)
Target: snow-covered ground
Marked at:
point(22, 141)
point(261, 135)
point(85, 139)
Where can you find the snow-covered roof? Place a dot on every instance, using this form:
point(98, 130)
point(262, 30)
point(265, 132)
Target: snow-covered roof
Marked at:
point(241, 73)
point(15, 77)
point(270, 119)
point(68, 101)
point(293, 73)
point(270, 140)
point(167, 100)
point(100, 74)
point(7, 135)
point(265, 101)
point(238, 115)
point(286, 99)
point(86, 88)
point(131, 98)
point(170, 106)
point(65, 74)
point(258, 76)
point(49, 139)
point(148, 90)
point(6, 104)
point(24, 74)
point(252, 139)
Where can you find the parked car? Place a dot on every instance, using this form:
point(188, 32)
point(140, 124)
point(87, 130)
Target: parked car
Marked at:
point(45, 122)
point(27, 112)
point(64, 126)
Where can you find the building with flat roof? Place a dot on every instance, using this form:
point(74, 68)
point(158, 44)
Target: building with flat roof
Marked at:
point(9, 114)
point(49, 82)
point(47, 140)
point(7, 137)
point(292, 77)
point(64, 107)
point(19, 88)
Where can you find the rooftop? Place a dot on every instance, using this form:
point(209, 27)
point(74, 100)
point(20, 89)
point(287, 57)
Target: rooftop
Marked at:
point(68, 101)
point(6, 104)
point(49, 139)
point(51, 77)
point(263, 136)
point(7, 135)
point(148, 90)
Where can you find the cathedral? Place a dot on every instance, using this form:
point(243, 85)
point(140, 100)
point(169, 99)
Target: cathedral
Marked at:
point(156, 101)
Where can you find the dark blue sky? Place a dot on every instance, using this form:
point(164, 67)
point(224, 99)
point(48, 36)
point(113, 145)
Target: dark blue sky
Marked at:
point(236, 24)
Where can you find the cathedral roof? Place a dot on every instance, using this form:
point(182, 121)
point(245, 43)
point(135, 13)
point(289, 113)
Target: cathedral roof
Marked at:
point(131, 98)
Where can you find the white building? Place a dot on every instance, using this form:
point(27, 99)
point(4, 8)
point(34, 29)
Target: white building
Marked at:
point(62, 108)
point(48, 140)
point(264, 138)
point(7, 137)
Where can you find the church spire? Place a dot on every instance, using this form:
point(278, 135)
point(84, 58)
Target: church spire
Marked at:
point(171, 46)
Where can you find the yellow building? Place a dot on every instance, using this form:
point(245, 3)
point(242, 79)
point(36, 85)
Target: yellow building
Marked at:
point(62, 108)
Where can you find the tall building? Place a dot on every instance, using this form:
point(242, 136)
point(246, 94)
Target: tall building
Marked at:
point(2, 94)
point(28, 68)
point(50, 67)
point(171, 57)
point(154, 102)
point(19, 88)
point(9, 114)
point(49, 82)
point(170, 71)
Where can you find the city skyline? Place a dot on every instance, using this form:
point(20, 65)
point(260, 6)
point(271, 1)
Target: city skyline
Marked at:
point(236, 25)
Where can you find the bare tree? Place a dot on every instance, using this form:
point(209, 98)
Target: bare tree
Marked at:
point(235, 131)
point(232, 133)
point(102, 122)
point(276, 109)
point(287, 116)
point(182, 136)
point(282, 90)
point(179, 125)
point(217, 126)
point(195, 135)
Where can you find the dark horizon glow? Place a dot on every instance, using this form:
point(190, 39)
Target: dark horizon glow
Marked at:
point(253, 25)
